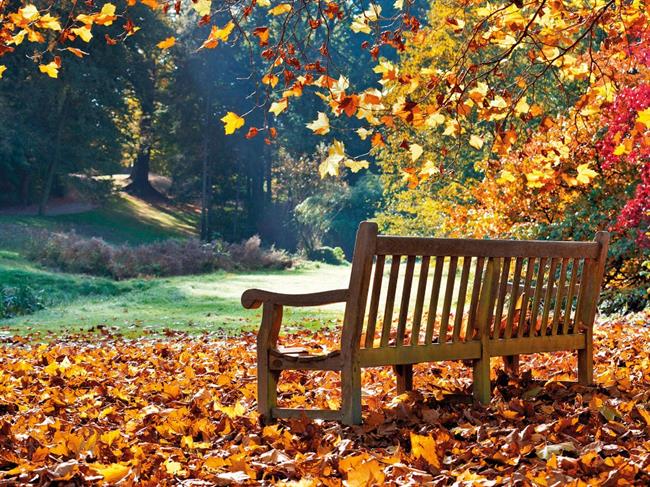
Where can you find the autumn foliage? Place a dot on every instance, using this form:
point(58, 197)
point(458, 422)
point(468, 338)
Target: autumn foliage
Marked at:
point(98, 408)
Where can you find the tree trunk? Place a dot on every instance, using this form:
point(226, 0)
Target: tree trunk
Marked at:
point(56, 153)
point(140, 184)
point(206, 186)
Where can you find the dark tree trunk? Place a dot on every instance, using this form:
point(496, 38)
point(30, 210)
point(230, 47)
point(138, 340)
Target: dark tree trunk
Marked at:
point(206, 183)
point(140, 184)
point(56, 153)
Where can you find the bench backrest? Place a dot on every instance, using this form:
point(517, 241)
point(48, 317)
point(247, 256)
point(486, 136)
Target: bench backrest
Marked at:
point(408, 291)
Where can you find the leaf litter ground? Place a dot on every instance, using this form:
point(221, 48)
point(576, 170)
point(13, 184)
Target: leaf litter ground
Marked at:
point(180, 410)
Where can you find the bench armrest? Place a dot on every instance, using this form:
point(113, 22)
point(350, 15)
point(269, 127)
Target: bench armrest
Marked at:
point(253, 298)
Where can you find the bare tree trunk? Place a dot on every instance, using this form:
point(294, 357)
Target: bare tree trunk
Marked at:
point(206, 186)
point(56, 154)
point(140, 184)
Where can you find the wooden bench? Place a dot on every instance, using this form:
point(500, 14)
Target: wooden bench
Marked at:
point(452, 299)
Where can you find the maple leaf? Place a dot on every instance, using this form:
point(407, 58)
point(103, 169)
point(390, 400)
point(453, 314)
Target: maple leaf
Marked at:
point(321, 125)
point(83, 32)
point(644, 117)
point(263, 3)
point(585, 175)
point(416, 151)
point(476, 142)
point(49, 22)
point(277, 107)
point(232, 122)
point(363, 133)
point(506, 177)
point(3, 68)
point(283, 8)
point(167, 43)
point(425, 447)
point(270, 79)
point(356, 166)
point(107, 15)
point(218, 34)
point(29, 12)
point(51, 69)
point(202, 7)
point(262, 33)
point(335, 155)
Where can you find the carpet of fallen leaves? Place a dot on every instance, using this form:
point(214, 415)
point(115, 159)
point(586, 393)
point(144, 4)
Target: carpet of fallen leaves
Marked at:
point(180, 410)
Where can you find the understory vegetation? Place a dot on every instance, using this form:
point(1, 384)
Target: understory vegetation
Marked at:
point(72, 253)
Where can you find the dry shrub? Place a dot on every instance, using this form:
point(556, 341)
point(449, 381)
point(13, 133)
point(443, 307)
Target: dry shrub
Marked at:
point(72, 253)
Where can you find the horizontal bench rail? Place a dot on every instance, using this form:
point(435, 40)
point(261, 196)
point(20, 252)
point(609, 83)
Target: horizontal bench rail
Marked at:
point(437, 352)
point(448, 247)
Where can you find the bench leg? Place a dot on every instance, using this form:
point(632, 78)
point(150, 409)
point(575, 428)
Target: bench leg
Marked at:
point(351, 392)
point(586, 366)
point(404, 375)
point(267, 391)
point(481, 376)
point(511, 363)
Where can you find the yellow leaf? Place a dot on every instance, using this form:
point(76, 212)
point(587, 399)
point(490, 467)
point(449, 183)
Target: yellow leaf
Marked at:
point(506, 177)
point(425, 447)
point(644, 117)
point(620, 150)
point(336, 154)
point(3, 68)
point(522, 106)
point(263, 3)
point(51, 69)
point(270, 79)
point(174, 468)
point(360, 24)
point(112, 473)
point(356, 166)
point(232, 122)
point(416, 151)
point(363, 133)
point(83, 32)
point(321, 125)
point(167, 43)
point(107, 15)
point(476, 142)
point(434, 120)
point(585, 175)
point(49, 22)
point(29, 12)
point(399, 4)
point(362, 470)
point(218, 34)
point(283, 8)
point(429, 169)
point(277, 107)
point(202, 7)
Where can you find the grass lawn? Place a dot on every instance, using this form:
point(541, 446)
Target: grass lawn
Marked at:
point(124, 219)
point(199, 303)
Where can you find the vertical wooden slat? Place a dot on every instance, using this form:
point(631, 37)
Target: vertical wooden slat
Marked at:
point(503, 290)
point(550, 284)
point(419, 300)
point(581, 292)
point(523, 312)
point(449, 292)
point(473, 305)
point(568, 309)
point(374, 301)
point(390, 299)
point(514, 294)
point(433, 302)
point(539, 286)
point(559, 297)
point(406, 296)
point(462, 292)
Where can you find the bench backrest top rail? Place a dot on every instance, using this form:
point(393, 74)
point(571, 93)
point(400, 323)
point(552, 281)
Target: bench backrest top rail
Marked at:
point(421, 246)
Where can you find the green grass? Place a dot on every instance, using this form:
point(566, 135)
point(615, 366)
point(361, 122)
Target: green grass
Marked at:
point(187, 303)
point(124, 219)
